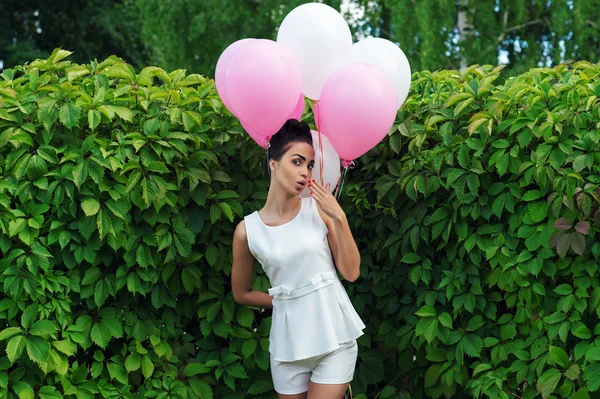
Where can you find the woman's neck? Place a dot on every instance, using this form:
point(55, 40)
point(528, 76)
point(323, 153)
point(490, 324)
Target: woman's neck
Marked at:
point(280, 204)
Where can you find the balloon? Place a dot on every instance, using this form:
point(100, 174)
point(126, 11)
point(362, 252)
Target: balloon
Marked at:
point(357, 109)
point(297, 113)
point(260, 140)
point(263, 83)
point(388, 57)
point(331, 164)
point(320, 40)
point(222, 65)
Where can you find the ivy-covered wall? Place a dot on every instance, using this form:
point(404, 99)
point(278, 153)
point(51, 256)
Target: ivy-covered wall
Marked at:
point(476, 218)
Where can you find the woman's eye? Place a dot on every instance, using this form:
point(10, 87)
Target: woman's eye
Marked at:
point(296, 162)
point(310, 167)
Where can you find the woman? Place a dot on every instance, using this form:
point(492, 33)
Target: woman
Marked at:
point(299, 242)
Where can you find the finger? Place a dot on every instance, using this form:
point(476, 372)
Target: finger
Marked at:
point(314, 186)
point(318, 195)
point(321, 188)
point(315, 194)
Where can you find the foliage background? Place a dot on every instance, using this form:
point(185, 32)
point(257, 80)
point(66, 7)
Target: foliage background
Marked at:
point(191, 34)
point(475, 218)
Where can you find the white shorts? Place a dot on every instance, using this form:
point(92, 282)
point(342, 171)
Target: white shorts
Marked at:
point(337, 367)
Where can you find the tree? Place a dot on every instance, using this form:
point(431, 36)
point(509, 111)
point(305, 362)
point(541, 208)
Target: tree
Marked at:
point(456, 33)
point(191, 34)
point(94, 29)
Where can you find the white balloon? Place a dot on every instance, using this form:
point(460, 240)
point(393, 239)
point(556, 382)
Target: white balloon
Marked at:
point(389, 58)
point(331, 163)
point(320, 40)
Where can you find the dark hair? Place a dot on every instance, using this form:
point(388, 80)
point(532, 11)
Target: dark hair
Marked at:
point(293, 131)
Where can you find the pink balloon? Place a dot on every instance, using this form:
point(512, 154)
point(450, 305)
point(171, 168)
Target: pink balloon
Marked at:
point(263, 83)
point(222, 65)
point(260, 140)
point(297, 113)
point(357, 108)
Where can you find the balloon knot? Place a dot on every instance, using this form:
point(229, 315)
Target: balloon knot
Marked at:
point(348, 164)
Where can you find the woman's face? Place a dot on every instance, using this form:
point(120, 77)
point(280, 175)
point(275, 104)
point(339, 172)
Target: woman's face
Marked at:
point(294, 170)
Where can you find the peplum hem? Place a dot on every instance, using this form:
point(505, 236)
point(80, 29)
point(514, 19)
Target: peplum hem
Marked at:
point(312, 320)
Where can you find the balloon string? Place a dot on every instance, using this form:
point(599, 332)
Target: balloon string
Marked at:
point(337, 186)
point(347, 165)
point(322, 160)
point(342, 186)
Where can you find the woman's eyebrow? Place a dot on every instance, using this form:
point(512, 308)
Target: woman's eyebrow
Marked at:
point(303, 158)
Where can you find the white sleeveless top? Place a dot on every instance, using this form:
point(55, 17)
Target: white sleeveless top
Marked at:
point(312, 313)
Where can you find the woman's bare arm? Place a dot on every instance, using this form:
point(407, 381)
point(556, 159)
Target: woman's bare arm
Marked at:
point(241, 273)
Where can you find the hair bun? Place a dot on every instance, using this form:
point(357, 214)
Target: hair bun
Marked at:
point(292, 131)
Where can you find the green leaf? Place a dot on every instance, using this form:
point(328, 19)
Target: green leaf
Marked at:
point(564, 289)
point(445, 319)
point(94, 117)
point(260, 387)
point(100, 335)
point(592, 354)
point(244, 316)
point(573, 372)
point(226, 194)
point(69, 115)
point(538, 211)
point(147, 366)
point(100, 293)
point(201, 388)
point(582, 332)
point(15, 347)
point(90, 206)
point(559, 356)
point(9, 332)
point(66, 347)
point(43, 328)
point(426, 311)
point(532, 195)
point(29, 315)
point(193, 369)
point(591, 374)
point(133, 362)
point(92, 275)
point(49, 393)
point(236, 371)
point(428, 328)
point(432, 375)
point(472, 345)
point(581, 394)
point(123, 112)
point(156, 166)
point(508, 331)
point(410, 258)
point(548, 382)
point(249, 348)
point(37, 349)
point(117, 372)
point(475, 323)
point(37, 167)
point(226, 210)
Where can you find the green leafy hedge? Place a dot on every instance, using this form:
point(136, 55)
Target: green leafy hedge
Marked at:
point(480, 242)
point(476, 219)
